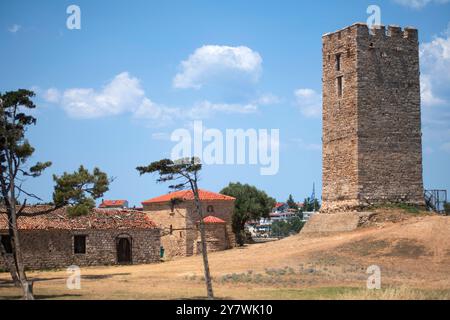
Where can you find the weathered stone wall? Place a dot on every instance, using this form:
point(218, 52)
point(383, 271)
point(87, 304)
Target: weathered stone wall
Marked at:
point(48, 249)
point(183, 219)
point(340, 158)
point(372, 150)
point(216, 238)
point(174, 242)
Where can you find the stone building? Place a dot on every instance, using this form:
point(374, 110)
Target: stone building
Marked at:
point(176, 215)
point(104, 237)
point(372, 148)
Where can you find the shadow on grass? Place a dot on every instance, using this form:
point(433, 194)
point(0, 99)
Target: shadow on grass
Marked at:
point(10, 283)
point(44, 297)
point(202, 298)
point(103, 276)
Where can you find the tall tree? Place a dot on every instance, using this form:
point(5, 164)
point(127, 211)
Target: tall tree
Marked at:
point(250, 204)
point(80, 189)
point(310, 205)
point(185, 174)
point(15, 150)
point(291, 203)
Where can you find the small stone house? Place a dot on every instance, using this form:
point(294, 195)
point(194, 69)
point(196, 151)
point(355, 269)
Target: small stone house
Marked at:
point(176, 215)
point(104, 237)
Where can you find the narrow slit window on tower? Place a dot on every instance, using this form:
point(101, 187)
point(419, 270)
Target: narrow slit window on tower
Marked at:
point(338, 62)
point(339, 87)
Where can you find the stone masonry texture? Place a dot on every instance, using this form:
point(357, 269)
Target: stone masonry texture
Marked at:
point(372, 141)
point(180, 230)
point(50, 249)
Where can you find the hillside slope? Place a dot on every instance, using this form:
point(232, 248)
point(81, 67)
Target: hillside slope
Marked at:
point(413, 252)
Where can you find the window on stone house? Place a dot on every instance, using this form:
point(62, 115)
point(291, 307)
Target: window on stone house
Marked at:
point(339, 87)
point(338, 62)
point(79, 244)
point(209, 209)
point(6, 242)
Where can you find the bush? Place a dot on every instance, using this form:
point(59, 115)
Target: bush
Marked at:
point(447, 208)
point(79, 210)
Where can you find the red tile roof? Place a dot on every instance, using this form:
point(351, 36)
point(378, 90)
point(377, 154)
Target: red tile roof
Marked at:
point(112, 203)
point(279, 204)
point(188, 195)
point(98, 219)
point(213, 220)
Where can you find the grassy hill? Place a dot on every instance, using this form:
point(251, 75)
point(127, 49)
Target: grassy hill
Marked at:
point(411, 248)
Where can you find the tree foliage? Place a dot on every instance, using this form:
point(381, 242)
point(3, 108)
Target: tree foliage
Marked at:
point(15, 151)
point(287, 228)
point(251, 204)
point(80, 189)
point(310, 205)
point(291, 203)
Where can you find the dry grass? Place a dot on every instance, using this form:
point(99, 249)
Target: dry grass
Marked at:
point(332, 267)
point(400, 293)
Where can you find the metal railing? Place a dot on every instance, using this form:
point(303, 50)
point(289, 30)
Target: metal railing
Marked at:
point(435, 200)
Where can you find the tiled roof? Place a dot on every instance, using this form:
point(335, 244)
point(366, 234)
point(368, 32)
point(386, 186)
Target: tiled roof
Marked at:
point(279, 204)
point(213, 220)
point(112, 203)
point(98, 219)
point(188, 195)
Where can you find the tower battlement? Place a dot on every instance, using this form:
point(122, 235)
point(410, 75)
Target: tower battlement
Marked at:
point(372, 147)
point(392, 31)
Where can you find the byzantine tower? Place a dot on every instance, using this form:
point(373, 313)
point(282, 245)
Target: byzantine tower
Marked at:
point(372, 140)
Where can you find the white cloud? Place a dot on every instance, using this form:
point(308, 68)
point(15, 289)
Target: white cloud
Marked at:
point(52, 95)
point(14, 28)
point(419, 4)
point(124, 94)
point(309, 102)
point(268, 99)
point(121, 94)
point(435, 67)
point(216, 63)
point(426, 92)
point(206, 109)
point(148, 110)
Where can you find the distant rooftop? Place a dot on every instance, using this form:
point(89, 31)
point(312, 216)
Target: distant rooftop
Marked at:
point(113, 203)
point(187, 195)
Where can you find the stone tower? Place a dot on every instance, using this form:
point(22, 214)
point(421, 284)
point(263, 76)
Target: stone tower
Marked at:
point(372, 141)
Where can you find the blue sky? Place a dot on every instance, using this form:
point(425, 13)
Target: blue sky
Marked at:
point(111, 93)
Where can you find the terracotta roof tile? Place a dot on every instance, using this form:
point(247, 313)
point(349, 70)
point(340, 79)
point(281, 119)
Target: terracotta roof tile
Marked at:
point(213, 220)
point(188, 195)
point(112, 203)
point(98, 219)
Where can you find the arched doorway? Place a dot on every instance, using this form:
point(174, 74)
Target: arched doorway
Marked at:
point(123, 243)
